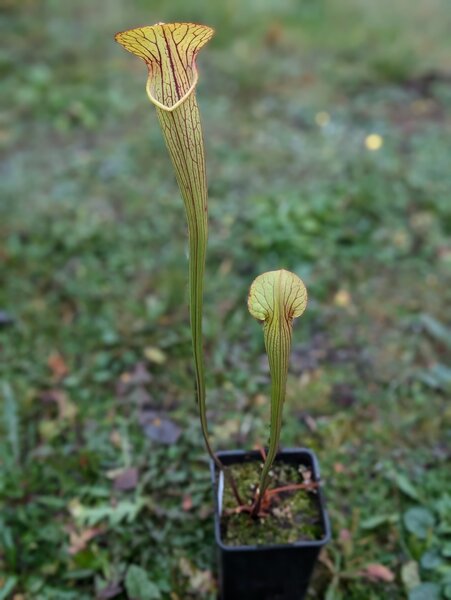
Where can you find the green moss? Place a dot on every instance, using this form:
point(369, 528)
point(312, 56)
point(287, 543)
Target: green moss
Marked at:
point(292, 515)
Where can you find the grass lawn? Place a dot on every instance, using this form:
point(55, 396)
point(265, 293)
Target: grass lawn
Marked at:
point(327, 128)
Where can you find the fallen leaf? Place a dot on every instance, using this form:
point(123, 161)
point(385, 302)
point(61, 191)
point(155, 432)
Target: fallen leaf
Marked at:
point(187, 503)
point(339, 468)
point(326, 561)
point(310, 422)
point(139, 396)
point(226, 266)
point(138, 377)
point(377, 572)
point(200, 582)
point(260, 400)
point(155, 355)
point(274, 34)
point(159, 427)
point(345, 535)
point(346, 541)
point(342, 298)
point(343, 395)
point(116, 439)
point(78, 540)
point(127, 479)
point(57, 365)
point(67, 410)
point(205, 512)
point(444, 253)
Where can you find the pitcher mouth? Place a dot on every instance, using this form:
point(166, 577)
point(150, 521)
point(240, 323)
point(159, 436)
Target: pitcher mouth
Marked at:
point(169, 51)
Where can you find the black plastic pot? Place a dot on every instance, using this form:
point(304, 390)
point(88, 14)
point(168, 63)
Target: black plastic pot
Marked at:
point(276, 572)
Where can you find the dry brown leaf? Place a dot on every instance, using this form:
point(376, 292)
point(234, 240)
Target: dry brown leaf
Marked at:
point(128, 380)
point(326, 561)
point(200, 582)
point(187, 503)
point(339, 468)
point(310, 422)
point(67, 410)
point(57, 365)
point(274, 34)
point(260, 400)
point(127, 479)
point(80, 539)
point(159, 427)
point(377, 572)
point(345, 535)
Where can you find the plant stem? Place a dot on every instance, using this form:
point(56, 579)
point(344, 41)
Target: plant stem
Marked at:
point(183, 135)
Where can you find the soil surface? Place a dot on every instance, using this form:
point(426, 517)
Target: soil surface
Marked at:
point(292, 515)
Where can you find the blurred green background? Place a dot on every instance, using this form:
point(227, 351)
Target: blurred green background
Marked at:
point(327, 128)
